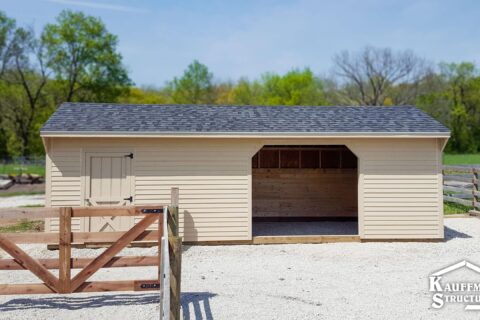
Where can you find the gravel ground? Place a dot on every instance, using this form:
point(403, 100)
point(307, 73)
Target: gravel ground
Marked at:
point(326, 281)
point(21, 201)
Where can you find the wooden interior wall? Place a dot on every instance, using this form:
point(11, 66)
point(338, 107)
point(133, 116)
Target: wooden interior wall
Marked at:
point(304, 182)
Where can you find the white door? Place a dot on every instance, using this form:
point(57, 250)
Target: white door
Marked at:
point(108, 183)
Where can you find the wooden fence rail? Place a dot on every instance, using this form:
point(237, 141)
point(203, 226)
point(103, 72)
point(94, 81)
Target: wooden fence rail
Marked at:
point(461, 185)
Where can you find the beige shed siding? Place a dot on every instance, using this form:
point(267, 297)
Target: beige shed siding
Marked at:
point(400, 189)
point(399, 183)
point(65, 181)
point(214, 177)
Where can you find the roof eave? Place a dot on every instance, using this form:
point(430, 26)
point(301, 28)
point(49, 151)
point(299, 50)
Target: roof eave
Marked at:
point(127, 134)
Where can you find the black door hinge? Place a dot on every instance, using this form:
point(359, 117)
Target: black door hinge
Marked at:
point(129, 155)
point(129, 199)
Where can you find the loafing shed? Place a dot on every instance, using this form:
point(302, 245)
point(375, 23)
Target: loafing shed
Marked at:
point(235, 165)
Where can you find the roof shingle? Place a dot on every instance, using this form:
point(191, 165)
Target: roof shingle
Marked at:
point(210, 119)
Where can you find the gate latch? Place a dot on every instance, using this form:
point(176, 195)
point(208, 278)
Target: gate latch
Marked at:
point(129, 199)
point(130, 155)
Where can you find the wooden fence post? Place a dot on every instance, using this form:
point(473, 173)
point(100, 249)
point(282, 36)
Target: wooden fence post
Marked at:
point(160, 244)
point(173, 223)
point(475, 189)
point(65, 247)
point(175, 252)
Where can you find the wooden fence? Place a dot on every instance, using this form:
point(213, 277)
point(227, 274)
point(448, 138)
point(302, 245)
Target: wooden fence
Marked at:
point(65, 283)
point(168, 259)
point(171, 262)
point(461, 185)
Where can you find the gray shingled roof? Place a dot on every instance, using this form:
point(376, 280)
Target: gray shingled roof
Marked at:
point(93, 118)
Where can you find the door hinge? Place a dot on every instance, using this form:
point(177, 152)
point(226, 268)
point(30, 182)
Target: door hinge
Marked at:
point(129, 155)
point(159, 210)
point(129, 199)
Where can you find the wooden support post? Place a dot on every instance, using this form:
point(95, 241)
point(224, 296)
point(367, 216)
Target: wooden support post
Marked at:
point(160, 235)
point(65, 247)
point(475, 188)
point(175, 253)
point(173, 220)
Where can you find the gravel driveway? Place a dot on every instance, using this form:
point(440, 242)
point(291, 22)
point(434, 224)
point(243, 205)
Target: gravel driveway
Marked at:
point(323, 281)
point(21, 201)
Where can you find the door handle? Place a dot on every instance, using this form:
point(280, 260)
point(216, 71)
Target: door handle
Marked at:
point(129, 199)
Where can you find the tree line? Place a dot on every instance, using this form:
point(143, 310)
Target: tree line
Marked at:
point(76, 59)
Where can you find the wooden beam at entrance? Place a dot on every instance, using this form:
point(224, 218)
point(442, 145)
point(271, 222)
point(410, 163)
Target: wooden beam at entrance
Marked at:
point(305, 239)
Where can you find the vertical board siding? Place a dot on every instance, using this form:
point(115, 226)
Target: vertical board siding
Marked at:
point(304, 192)
point(400, 189)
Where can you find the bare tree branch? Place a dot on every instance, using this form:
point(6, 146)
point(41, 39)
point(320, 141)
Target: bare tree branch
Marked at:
point(368, 76)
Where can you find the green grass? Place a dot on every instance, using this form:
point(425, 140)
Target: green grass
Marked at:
point(24, 226)
point(16, 169)
point(19, 193)
point(453, 159)
point(455, 208)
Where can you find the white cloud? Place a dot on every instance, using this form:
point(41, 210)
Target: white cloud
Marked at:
point(96, 5)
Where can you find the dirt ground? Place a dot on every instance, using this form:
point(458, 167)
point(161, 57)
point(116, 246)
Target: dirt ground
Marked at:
point(377, 280)
point(24, 188)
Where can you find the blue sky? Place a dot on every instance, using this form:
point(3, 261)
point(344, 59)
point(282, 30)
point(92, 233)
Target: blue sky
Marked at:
point(158, 39)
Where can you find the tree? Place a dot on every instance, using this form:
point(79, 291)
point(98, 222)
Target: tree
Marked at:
point(297, 87)
point(246, 92)
point(22, 87)
point(27, 71)
point(7, 30)
point(462, 139)
point(453, 98)
point(84, 63)
point(84, 58)
point(195, 86)
point(370, 74)
point(464, 84)
point(434, 98)
point(142, 96)
point(463, 92)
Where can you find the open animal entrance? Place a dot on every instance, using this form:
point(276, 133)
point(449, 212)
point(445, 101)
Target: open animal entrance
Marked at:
point(304, 191)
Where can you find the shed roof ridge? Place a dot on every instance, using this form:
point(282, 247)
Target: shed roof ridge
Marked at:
point(233, 105)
